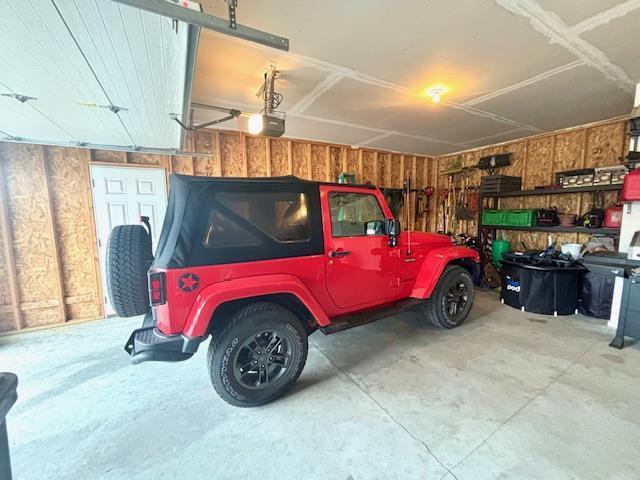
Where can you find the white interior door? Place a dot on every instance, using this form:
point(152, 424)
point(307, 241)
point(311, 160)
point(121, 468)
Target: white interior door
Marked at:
point(121, 195)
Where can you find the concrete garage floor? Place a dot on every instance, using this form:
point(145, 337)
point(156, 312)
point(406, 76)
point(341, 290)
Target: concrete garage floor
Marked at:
point(508, 395)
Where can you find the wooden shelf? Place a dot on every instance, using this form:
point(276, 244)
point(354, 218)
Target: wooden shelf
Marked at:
point(555, 191)
point(608, 231)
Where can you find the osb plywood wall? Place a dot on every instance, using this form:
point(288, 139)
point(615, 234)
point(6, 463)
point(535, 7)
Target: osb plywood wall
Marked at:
point(49, 270)
point(536, 160)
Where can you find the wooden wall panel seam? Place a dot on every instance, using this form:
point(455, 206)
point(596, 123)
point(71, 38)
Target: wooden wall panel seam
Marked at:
point(376, 179)
point(327, 163)
point(7, 245)
point(94, 242)
point(245, 160)
point(55, 244)
point(218, 158)
point(267, 153)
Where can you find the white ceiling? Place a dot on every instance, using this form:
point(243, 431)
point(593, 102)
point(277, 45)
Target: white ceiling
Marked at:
point(356, 69)
point(79, 57)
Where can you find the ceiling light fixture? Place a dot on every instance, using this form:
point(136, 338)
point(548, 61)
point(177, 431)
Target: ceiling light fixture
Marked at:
point(435, 93)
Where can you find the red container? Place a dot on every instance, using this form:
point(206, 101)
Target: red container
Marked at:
point(631, 187)
point(613, 217)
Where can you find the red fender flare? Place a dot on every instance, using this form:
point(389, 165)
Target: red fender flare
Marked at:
point(214, 295)
point(434, 264)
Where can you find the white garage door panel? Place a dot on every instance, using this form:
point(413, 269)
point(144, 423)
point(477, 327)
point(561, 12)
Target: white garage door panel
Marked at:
point(40, 60)
point(94, 33)
point(140, 61)
point(84, 55)
point(15, 119)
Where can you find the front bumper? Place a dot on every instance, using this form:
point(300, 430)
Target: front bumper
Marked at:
point(150, 344)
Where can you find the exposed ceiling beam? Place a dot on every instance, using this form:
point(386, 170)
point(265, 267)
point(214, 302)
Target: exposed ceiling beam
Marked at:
point(209, 22)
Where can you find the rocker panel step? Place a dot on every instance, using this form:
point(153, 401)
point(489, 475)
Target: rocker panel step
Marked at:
point(344, 322)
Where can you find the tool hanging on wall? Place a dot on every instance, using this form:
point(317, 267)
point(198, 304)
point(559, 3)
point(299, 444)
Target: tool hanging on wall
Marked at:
point(441, 216)
point(422, 205)
point(492, 163)
point(395, 199)
point(463, 211)
point(407, 189)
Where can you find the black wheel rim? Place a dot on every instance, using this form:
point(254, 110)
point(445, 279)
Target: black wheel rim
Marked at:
point(456, 299)
point(262, 359)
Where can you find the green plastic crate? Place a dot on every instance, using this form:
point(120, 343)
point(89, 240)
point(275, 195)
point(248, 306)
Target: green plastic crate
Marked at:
point(520, 218)
point(494, 217)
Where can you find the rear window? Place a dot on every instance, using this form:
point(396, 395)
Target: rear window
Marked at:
point(283, 216)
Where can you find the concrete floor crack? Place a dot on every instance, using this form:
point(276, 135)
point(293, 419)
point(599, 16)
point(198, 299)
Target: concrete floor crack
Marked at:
point(526, 404)
point(363, 390)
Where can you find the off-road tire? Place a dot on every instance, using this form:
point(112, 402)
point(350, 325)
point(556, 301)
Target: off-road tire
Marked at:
point(129, 257)
point(226, 342)
point(435, 306)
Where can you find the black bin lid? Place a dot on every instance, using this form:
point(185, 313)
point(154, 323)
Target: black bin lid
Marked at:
point(605, 259)
point(8, 393)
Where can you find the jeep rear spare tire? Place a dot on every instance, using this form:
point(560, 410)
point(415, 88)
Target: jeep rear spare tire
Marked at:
point(451, 300)
point(129, 257)
point(257, 355)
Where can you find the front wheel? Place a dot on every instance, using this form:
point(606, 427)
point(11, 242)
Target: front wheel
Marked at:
point(258, 355)
point(451, 300)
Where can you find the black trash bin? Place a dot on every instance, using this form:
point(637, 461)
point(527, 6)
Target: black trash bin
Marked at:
point(8, 396)
point(548, 288)
point(598, 283)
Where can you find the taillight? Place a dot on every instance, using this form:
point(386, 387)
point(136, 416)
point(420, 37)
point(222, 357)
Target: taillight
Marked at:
point(157, 288)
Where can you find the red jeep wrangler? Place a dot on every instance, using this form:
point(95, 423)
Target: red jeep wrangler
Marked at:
point(260, 264)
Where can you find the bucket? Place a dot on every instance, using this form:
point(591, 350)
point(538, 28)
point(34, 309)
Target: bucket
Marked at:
point(574, 249)
point(498, 248)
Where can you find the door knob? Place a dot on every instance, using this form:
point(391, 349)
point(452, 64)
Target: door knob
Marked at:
point(338, 253)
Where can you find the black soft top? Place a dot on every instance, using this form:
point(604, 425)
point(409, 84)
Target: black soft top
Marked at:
point(283, 179)
point(194, 202)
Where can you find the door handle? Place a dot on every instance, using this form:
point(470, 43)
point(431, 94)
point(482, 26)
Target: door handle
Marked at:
point(338, 253)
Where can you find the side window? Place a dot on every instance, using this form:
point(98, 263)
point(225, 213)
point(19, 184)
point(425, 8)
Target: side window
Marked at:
point(282, 216)
point(224, 232)
point(350, 213)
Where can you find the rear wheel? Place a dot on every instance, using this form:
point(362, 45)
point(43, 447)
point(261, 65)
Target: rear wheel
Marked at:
point(451, 300)
point(258, 355)
point(129, 257)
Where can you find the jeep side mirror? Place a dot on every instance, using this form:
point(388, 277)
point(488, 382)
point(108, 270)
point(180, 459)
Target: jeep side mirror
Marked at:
point(393, 231)
point(375, 227)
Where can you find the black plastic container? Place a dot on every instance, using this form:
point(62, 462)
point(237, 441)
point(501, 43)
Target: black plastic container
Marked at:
point(549, 288)
point(8, 396)
point(598, 283)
